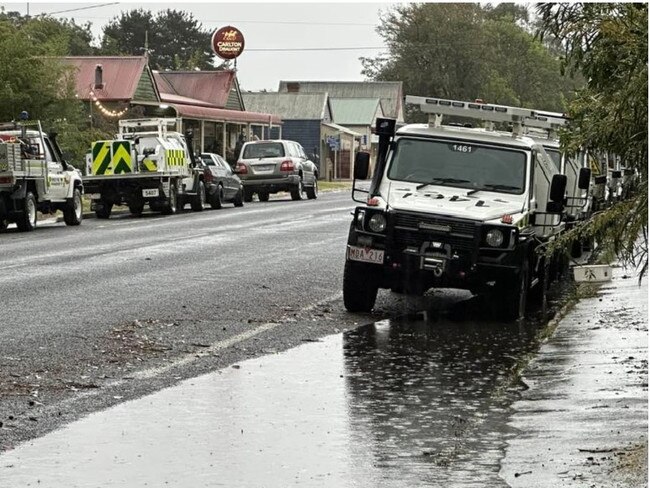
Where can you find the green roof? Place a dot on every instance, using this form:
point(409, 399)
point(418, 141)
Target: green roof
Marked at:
point(354, 111)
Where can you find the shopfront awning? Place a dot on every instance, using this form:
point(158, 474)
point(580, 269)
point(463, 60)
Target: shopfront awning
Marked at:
point(224, 115)
point(340, 128)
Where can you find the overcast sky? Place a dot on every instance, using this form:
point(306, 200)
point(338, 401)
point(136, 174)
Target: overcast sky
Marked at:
point(277, 35)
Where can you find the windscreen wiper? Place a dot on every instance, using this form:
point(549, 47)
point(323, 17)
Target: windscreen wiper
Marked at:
point(489, 186)
point(440, 180)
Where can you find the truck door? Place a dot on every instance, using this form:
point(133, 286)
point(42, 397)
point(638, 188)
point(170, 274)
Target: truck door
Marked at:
point(56, 184)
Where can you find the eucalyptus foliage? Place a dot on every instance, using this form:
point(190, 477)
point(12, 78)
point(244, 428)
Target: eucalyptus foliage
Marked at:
point(608, 44)
point(466, 51)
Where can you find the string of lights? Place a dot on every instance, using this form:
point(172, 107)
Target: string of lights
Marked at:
point(107, 112)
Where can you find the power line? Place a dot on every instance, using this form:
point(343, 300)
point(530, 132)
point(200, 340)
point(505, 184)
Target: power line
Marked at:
point(316, 49)
point(288, 22)
point(79, 8)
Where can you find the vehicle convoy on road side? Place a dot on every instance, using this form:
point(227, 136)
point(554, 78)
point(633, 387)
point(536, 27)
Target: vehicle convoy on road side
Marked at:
point(271, 166)
point(34, 177)
point(147, 163)
point(452, 206)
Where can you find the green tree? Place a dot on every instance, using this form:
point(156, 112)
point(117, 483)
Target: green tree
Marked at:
point(608, 45)
point(465, 51)
point(30, 78)
point(175, 39)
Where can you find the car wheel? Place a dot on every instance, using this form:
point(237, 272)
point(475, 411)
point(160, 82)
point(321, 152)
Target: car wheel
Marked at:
point(263, 196)
point(73, 213)
point(198, 200)
point(27, 220)
point(216, 201)
point(248, 196)
point(296, 192)
point(312, 191)
point(239, 198)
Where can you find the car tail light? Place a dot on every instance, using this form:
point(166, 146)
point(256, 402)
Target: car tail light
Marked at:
point(287, 165)
point(241, 169)
point(207, 175)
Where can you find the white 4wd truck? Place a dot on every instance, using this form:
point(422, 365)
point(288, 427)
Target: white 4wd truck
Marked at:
point(34, 177)
point(451, 206)
point(147, 163)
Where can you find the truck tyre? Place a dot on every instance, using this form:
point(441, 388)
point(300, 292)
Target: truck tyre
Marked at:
point(296, 192)
point(216, 200)
point(359, 289)
point(312, 191)
point(263, 195)
point(27, 220)
point(171, 206)
point(248, 196)
point(198, 200)
point(73, 212)
point(136, 208)
point(514, 295)
point(239, 198)
point(103, 210)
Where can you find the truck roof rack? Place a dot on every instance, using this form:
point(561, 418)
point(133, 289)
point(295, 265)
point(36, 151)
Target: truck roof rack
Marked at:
point(489, 113)
point(129, 126)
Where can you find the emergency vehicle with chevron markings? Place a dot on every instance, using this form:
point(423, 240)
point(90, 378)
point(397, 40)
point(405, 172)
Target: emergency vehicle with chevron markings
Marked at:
point(149, 162)
point(456, 207)
point(34, 177)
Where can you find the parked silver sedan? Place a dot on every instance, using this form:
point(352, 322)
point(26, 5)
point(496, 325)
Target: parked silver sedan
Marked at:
point(267, 167)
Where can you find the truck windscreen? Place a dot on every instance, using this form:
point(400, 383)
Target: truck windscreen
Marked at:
point(458, 164)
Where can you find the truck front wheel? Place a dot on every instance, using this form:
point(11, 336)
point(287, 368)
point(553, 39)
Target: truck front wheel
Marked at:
point(27, 220)
point(73, 212)
point(359, 287)
point(514, 295)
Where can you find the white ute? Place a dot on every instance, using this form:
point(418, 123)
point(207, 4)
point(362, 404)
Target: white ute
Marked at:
point(34, 177)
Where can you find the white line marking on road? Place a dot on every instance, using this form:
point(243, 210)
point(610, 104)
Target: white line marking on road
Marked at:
point(193, 357)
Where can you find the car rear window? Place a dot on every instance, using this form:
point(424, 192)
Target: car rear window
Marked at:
point(207, 160)
point(263, 150)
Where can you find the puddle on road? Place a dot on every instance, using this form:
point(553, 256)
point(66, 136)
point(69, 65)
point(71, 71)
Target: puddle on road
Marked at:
point(393, 404)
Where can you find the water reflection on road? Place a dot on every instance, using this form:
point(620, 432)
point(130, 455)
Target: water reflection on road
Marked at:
point(403, 403)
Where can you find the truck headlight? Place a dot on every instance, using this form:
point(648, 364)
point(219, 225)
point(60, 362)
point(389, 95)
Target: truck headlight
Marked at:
point(377, 222)
point(494, 238)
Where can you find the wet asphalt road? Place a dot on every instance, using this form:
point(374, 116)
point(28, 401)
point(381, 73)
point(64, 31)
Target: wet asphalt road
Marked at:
point(397, 403)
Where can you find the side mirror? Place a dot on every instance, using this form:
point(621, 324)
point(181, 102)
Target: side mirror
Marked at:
point(556, 196)
point(584, 178)
point(361, 165)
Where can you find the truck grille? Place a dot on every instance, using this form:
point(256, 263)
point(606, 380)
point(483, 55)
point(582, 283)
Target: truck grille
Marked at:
point(413, 229)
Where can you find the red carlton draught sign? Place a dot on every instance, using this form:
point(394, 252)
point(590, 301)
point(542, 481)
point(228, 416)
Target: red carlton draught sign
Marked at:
point(228, 42)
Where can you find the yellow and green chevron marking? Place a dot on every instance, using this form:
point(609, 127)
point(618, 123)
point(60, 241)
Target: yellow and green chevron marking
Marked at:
point(149, 165)
point(112, 158)
point(175, 157)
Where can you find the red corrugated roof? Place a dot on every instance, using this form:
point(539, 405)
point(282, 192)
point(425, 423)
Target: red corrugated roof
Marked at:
point(209, 113)
point(120, 74)
point(208, 86)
